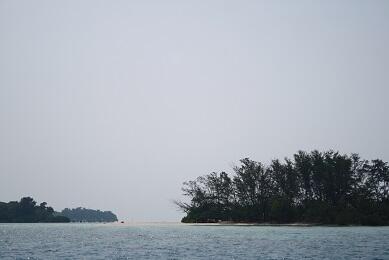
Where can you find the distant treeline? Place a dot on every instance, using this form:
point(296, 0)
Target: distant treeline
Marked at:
point(88, 215)
point(27, 211)
point(316, 187)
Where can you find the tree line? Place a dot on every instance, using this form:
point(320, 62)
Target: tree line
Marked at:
point(88, 215)
point(28, 211)
point(313, 187)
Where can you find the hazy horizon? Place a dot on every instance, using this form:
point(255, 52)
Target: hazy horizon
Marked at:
point(112, 105)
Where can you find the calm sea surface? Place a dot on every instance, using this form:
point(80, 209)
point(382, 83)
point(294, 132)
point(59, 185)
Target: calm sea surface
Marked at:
point(180, 241)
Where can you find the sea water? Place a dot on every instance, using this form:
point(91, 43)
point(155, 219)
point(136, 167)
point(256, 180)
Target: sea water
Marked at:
point(183, 241)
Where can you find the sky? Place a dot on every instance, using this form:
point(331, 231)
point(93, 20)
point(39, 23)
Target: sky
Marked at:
point(112, 105)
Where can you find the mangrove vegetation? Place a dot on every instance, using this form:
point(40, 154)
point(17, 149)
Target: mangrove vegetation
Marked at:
point(28, 211)
point(88, 215)
point(312, 187)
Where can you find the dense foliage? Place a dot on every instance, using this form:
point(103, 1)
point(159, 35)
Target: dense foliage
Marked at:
point(88, 215)
point(27, 211)
point(315, 187)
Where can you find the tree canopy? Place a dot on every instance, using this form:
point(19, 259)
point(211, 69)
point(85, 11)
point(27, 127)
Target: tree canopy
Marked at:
point(28, 211)
point(88, 215)
point(315, 187)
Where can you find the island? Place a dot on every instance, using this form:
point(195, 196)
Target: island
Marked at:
point(27, 211)
point(312, 188)
point(88, 215)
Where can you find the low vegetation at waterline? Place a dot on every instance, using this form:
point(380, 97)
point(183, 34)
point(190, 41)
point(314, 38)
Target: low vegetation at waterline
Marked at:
point(88, 215)
point(316, 187)
point(27, 211)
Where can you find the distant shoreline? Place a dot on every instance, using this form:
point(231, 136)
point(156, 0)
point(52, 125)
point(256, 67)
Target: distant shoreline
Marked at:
point(242, 224)
point(210, 224)
point(254, 224)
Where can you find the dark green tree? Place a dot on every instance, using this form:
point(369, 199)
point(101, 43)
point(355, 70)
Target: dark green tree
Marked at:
point(27, 211)
point(316, 187)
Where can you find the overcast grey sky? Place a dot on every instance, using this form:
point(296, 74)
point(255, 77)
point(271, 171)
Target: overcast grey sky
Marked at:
point(113, 104)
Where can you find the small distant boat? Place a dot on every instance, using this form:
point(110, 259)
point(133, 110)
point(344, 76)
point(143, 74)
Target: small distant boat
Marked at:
point(122, 222)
